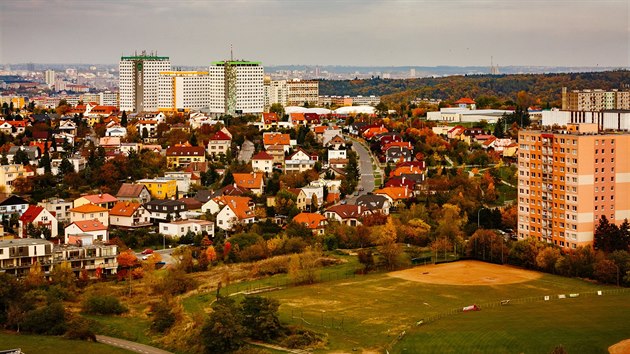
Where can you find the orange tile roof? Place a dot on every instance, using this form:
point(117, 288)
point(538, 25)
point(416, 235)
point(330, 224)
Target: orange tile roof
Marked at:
point(124, 209)
point(312, 220)
point(411, 170)
point(88, 208)
point(465, 100)
point(395, 193)
point(320, 129)
point(276, 139)
point(270, 118)
point(297, 116)
point(248, 180)
point(90, 225)
point(239, 205)
point(374, 131)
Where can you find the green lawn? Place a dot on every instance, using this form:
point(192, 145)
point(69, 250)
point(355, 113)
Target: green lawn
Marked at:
point(371, 311)
point(54, 345)
point(581, 325)
point(124, 327)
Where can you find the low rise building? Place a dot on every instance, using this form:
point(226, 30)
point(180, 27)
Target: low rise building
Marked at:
point(179, 228)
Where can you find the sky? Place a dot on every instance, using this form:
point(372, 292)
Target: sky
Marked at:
point(320, 32)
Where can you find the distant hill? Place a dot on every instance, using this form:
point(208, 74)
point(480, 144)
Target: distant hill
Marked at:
point(546, 88)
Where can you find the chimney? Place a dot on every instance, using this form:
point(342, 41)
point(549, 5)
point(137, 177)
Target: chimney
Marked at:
point(359, 208)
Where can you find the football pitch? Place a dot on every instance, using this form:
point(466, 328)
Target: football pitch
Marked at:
point(419, 311)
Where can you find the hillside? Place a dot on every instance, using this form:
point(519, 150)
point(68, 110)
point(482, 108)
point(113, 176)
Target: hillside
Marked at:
point(546, 88)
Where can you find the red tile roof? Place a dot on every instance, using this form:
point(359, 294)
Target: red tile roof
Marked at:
point(347, 211)
point(262, 156)
point(220, 136)
point(465, 100)
point(100, 198)
point(31, 213)
point(128, 190)
point(90, 225)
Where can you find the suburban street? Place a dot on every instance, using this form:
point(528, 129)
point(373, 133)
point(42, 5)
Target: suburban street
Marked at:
point(164, 253)
point(365, 168)
point(131, 346)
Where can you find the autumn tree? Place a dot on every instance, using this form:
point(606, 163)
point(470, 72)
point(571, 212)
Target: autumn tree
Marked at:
point(441, 245)
point(35, 277)
point(223, 331)
point(388, 247)
point(547, 258)
point(487, 245)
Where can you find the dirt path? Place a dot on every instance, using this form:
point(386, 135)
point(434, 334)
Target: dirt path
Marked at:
point(467, 273)
point(622, 347)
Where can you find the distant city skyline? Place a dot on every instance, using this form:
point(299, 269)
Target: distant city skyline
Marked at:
point(326, 32)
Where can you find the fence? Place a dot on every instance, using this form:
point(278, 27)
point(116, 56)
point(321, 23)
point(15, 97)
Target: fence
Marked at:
point(321, 319)
point(507, 302)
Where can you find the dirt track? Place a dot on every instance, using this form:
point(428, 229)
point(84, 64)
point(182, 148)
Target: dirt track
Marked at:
point(467, 273)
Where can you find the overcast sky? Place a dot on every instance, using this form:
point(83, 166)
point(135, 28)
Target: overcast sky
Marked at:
point(337, 32)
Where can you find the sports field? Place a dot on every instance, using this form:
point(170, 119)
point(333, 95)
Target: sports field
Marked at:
point(418, 311)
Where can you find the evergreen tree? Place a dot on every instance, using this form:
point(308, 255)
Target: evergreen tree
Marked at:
point(193, 140)
point(65, 167)
point(123, 119)
point(227, 179)
point(44, 162)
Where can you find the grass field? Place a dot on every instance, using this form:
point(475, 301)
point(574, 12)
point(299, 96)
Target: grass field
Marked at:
point(368, 313)
point(54, 345)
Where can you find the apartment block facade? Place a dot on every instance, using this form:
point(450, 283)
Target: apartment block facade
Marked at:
point(568, 179)
point(138, 81)
point(236, 87)
point(594, 100)
point(183, 90)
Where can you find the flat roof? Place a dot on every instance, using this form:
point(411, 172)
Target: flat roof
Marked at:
point(236, 62)
point(144, 57)
point(24, 242)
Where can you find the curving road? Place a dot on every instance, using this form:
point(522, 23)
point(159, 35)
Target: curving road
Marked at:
point(131, 346)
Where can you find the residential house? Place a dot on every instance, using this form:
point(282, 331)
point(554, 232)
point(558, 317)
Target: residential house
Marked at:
point(182, 156)
point(312, 119)
point(179, 228)
point(12, 205)
point(277, 153)
point(337, 154)
point(406, 170)
point(9, 173)
point(131, 192)
point(330, 134)
point(374, 203)
point(332, 173)
point(18, 126)
point(18, 255)
point(313, 193)
point(262, 162)
point(346, 214)
point(129, 215)
point(396, 195)
point(278, 139)
point(97, 259)
point(269, 121)
point(160, 188)
point(96, 230)
point(147, 128)
point(253, 182)
point(192, 204)
point(371, 132)
point(313, 221)
point(90, 212)
point(165, 209)
point(32, 152)
point(338, 163)
point(183, 180)
point(104, 200)
point(219, 143)
point(455, 132)
point(300, 161)
point(398, 152)
point(5, 127)
point(116, 131)
point(337, 142)
point(297, 119)
point(38, 217)
point(237, 210)
point(58, 207)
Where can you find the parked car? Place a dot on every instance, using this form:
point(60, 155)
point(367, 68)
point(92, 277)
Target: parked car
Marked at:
point(147, 251)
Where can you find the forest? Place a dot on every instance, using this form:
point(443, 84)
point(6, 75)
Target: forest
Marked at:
point(545, 88)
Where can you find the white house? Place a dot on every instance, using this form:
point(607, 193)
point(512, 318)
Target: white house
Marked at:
point(299, 161)
point(177, 229)
point(129, 214)
point(262, 162)
point(237, 210)
point(39, 217)
point(337, 154)
point(116, 131)
point(93, 227)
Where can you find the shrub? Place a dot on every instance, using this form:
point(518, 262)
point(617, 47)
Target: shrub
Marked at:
point(49, 319)
point(79, 328)
point(271, 266)
point(301, 338)
point(175, 282)
point(103, 305)
point(163, 316)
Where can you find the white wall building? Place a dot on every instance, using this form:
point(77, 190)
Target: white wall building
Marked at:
point(138, 81)
point(617, 120)
point(184, 90)
point(236, 87)
point(177, 229)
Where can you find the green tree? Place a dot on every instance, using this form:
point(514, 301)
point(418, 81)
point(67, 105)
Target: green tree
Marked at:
point(223, 331)
point(65, 167)
point(260, 317)
point(123, 119)
point(278, 109)
point(227, 179)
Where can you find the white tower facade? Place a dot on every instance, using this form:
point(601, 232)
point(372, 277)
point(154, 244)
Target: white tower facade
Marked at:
point(138, 81)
